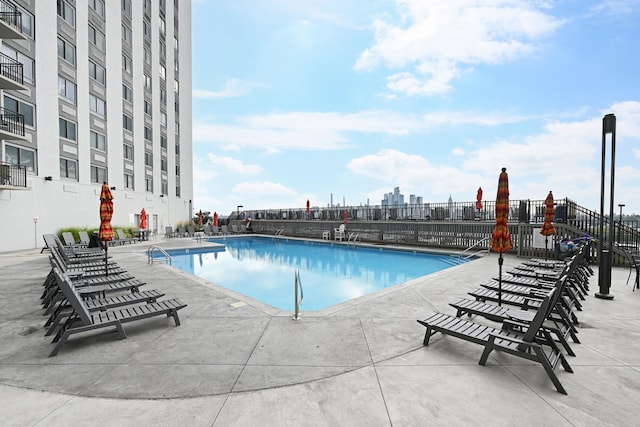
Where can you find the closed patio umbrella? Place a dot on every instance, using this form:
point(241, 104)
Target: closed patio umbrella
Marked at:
point(501, 238)
point(143, 219)
point(308, 208)
point(105, 234)
point(344, 216)
point(479, 201)
point(200, 218)
point(215, 219)
point(547, 227)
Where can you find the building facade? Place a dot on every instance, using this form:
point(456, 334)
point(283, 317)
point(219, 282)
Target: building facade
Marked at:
point(92, 94)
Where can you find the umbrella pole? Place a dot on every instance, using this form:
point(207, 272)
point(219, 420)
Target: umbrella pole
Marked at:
point(546, 247)
point(500, 261)
point(106, 259)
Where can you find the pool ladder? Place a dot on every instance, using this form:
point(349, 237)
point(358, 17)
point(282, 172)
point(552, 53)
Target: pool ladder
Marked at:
point(353, 239)
point(298, 285)
point(279, 232)
point(167, 257)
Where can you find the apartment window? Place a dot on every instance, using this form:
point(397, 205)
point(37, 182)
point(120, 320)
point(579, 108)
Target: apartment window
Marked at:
point(163, 118)
point(163, 141)
point(96, 38)
point(19, 107)
point(177, 170)
point(127, 93)
point(177, 128)
point(147, 55)
point(177, 148)
point(148, 185)
point(127, 65)
point(67, 12)
point(177, 191)
point(163, 95)
point(163, 164)
point(147, 6)
point(163, 49)
point(97, 105)
point(68, 168)
point(148, 159)
point(148, 133)
point(147, 107)
point(163, 26)
point(176, 44)
point(20, 156)
point(98, 140)
point(98, 174)
point(163, 72)
point(66, 51)
point(97, 6)
point(126, 34)
point(67, 89)
point(176, 86)
point(126, 6)
point(176, 64)
point(67, 129)
point(27, 63)
point(146, 29)
point(176, 107)
point(164, 187)
point(128, 181)
point(26, 21)
point(127, 151)
point(97, 73)
point(127, 122)
point(147, 81)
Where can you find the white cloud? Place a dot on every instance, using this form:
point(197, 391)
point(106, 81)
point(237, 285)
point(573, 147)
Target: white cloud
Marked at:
point(232, 165)
point(435, 40)
point(233, 88)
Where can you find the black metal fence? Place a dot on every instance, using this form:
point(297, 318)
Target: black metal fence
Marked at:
point(13, 175)
point(11, 69)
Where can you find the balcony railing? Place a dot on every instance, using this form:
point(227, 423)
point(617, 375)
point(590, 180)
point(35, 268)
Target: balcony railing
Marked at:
point(13, 175)
point(11, 69)
point(12, 122)
point(10, 14)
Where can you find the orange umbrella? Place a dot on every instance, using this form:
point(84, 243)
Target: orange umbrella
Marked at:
point(479, 199)
point(308, 208)
point(549, 213)
point(501, 238)
point(105, 234)
point(143, 219)
point(215, 219)
point(200, 217)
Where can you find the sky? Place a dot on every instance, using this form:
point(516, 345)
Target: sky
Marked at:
point(304, 100)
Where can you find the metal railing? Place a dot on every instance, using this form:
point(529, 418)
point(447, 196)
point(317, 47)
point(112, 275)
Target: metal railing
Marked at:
point(465, 254)
point(150, 257)
point(10, 14)
point(13, 175)
point(298, 285)
point(11, 69)
point(10, 121)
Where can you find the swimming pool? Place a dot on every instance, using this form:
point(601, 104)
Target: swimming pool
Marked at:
point(263, 268)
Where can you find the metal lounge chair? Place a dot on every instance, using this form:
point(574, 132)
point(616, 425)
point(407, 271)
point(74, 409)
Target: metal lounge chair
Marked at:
point(124, 239)
point(82, 320)
point(528, 341)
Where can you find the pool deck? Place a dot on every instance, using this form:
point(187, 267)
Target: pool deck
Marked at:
point(237, 362)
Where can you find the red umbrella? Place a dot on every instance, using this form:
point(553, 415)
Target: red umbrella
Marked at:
point(200, 217)
point(308, 208)
point(215, 219)
point(549, 213)
point(501, 238)
point(479, 199)
point(344, 216)
point(143, 219)
point(105, 234)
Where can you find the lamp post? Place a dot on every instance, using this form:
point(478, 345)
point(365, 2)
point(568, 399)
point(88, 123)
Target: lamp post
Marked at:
point(238, 211)
point(620, 205)
point(604, 255)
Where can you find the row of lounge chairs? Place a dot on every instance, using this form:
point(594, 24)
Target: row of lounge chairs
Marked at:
point(84, 240)
point(85, 291)
point(536, 318)
point(207, 230)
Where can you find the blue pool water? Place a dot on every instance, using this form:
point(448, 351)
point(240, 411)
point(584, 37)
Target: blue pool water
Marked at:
point(263, 268)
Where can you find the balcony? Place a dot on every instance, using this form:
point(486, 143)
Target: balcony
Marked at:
point(13, 177)
point(11, 125)
point(10, 21)
point(11, 74)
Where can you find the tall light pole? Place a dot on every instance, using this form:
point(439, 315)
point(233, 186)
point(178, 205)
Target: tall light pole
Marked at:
point(238, 209)
point(604, 255)
point(621, 205)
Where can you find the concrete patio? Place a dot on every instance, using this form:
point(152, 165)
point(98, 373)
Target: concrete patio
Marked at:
point(238, 362)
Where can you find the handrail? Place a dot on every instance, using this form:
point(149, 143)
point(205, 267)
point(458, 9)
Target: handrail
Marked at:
point(355, 236)
point(162, 251)
point(298, 284)
point(462, 255)
point(279, 232)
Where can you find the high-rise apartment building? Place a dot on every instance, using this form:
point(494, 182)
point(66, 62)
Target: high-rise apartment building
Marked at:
point(93, 91)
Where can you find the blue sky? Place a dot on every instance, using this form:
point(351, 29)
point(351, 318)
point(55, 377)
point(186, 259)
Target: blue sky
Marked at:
point(297, 100)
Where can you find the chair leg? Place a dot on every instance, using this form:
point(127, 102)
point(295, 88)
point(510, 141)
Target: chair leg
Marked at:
point(488, 348)
point(542, 358)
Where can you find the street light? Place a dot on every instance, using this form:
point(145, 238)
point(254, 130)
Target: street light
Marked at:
point(604, 255)
point(238, 209)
